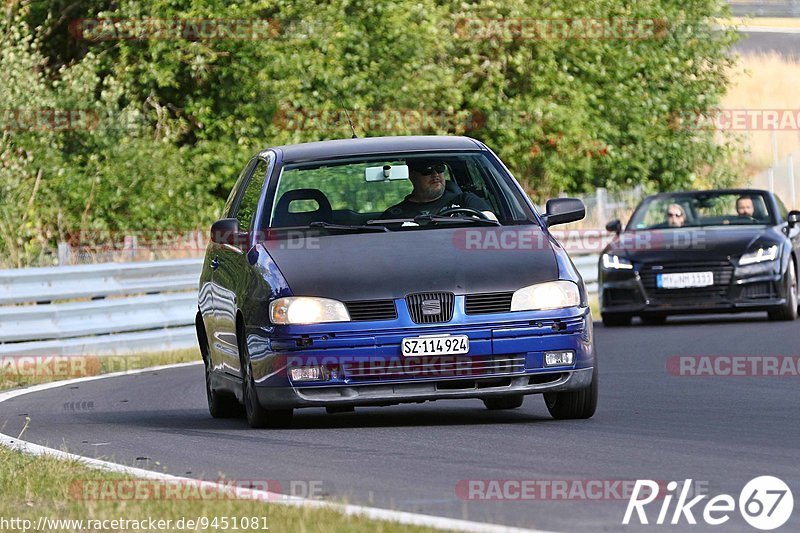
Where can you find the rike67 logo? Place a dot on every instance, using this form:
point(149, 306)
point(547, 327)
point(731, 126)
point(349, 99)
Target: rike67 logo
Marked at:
point(765, 503)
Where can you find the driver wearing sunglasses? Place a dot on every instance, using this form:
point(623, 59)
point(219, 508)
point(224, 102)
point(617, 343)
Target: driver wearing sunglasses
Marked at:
point(429, 195)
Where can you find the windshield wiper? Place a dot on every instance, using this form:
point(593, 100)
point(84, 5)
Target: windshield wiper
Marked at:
point(428, 219)
point(424, 220)
point(342, 227)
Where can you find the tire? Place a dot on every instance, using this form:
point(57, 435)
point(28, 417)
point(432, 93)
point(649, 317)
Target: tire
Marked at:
point(787, 311)
point(571, 405)
point(612, 320)
point(653, 320)
point(504, 402)
point(220, 405)
point(257, 416)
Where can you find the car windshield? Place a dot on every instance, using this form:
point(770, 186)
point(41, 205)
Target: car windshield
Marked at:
point(397, 192)
point(701, 209)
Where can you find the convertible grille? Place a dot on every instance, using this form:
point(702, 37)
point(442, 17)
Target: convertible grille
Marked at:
point(371, 310)
point(493, 302)
point(430, 307)
point(445, 366)
point(722, 270)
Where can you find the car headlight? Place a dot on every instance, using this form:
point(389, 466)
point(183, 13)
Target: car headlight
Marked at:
point(615, 262)
point(307, 310)
point(759, 256)
point(549, 295)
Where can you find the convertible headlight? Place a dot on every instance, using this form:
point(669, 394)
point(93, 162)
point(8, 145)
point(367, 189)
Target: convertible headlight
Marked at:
point(550, 295)
point(307, 310)
point(615, 262)
point(759, 256)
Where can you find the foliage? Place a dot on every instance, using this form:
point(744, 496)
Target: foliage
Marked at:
point(178, 118)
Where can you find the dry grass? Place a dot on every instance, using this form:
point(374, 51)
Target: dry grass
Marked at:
point(765, 81)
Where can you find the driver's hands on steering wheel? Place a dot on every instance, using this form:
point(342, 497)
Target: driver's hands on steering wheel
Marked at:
point(456, 211)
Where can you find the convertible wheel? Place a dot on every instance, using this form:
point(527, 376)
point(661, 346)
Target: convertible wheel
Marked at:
point(653, 320)
point(504, 402)
point(788, 311)
point(612, 320)
point(220, 405)
point(257, 416)
point(573, 404)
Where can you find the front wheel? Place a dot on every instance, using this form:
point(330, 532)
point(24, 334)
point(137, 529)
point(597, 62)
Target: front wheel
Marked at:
point(787, 311)
point(220, 405)
point(257, 416)
point(576, 404)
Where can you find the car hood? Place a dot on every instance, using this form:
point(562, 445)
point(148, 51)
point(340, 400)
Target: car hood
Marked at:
point(711, 243)
point(368, 266)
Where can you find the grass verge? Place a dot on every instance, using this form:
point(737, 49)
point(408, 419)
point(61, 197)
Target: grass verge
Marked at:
point(35, 488)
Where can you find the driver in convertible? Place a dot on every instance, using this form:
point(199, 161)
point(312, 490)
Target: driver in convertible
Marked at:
point(429, 196)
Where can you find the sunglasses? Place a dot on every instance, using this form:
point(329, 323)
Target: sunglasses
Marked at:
point(676, 215)
point(427, 171)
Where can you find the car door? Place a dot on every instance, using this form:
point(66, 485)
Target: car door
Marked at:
point(231, 267)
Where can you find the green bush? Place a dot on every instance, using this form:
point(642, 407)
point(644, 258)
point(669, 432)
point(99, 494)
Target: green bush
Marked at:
point(177, 119)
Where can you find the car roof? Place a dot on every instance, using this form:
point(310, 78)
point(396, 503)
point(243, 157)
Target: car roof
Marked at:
point(313, 151)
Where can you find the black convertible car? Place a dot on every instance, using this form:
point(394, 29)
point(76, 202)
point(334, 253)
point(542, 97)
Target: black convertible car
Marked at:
point(717, 251)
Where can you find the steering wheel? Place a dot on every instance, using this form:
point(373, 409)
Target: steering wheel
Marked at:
point(451, 211)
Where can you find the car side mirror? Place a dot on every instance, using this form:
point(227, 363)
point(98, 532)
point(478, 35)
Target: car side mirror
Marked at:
point(615, 226)
point(226, 231)
point(563, 210)
point(793, 218)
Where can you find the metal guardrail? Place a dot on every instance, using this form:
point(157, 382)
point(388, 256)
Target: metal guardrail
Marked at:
point(112, 308)
point(117, 313)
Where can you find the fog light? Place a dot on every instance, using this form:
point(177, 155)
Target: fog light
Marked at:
point(562, 358)
point(309, 373)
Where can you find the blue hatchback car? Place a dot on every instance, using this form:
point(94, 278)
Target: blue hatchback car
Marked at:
point(387, 270)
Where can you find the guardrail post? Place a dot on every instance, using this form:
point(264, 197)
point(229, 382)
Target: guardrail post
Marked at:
point(64, 254)
point(602, 198)
point(792, 185)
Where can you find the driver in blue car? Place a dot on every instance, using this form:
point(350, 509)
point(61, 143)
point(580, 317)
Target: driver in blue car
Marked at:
point(430, 196)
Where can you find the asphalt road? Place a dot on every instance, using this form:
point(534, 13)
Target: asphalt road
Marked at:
point(720, 431)
point(754, 42)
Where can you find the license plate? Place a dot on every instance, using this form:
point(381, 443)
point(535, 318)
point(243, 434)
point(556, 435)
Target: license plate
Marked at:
point(435, 345)
point(685, 280)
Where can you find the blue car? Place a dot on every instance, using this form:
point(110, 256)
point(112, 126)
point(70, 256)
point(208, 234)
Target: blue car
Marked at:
point(388, 270)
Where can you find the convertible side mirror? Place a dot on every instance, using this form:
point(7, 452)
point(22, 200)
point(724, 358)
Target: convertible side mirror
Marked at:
point(793, 219)
point(615, 226)
point(563, 210)
point(226, 231)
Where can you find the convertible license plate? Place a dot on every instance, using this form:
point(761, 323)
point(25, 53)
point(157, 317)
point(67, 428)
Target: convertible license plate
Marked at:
point(685, 280)
point(435, 345)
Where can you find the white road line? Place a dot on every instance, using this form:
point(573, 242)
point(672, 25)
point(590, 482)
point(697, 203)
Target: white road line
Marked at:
point(373, 513)
point(766, 29)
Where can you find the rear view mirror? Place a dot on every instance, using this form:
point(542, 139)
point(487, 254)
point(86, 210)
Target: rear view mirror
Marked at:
point(615, 226)
point(226, 231)
point(386, 172)
point(563, 210)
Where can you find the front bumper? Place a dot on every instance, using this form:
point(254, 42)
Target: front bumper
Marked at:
point(366, 366)
point(421, 391)
point(734, 290)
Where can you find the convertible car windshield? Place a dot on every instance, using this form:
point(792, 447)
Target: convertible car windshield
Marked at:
point(701, 210)
point(395, 192)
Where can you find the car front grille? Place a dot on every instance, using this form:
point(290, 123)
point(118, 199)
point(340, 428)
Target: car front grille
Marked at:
point(445, 366)
point(430, 307)
point(722, 270)
point(371, 310)
point(493, 302)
